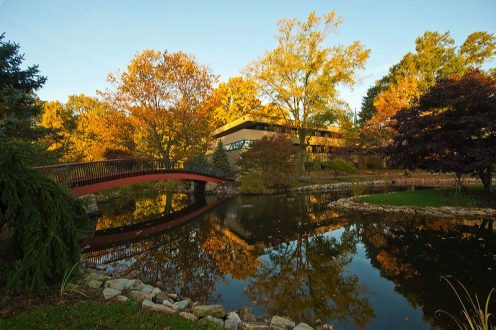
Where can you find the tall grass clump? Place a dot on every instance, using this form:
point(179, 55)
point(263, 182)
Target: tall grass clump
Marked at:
point(474, 316)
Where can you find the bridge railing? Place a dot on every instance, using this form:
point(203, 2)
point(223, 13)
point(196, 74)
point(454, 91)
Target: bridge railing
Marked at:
point(80, 174)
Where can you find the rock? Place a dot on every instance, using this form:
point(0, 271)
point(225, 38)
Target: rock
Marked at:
point(253, 326)
point(121, 298)
point(188, 316)
point(155, 291)
point(281, 323)
point(303, 326)
point(147, 289)
point(138, 285)
point(94, 284)
point(139, 295)
point(326, 327)
point(95, 276)
point(212, 310)
point(246, 315)
point(168, 304)
point(160, 297)
point(183, 304)
point(172, 296)
point(214, 320)
point(232, 322)
point(110, 293)
point(151, 306)
point(120, 284)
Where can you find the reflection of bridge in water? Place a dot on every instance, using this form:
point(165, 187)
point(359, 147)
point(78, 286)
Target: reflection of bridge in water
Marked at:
point(112, 245)
point(91, 177)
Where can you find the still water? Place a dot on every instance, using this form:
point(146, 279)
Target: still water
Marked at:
point(290, 255)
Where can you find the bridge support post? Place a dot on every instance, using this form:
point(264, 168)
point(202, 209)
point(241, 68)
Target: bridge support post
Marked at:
point(199, 188)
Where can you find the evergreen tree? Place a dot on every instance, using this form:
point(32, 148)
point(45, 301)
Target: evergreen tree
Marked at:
point(220, 161)
point(43, 219)
point(20, 108)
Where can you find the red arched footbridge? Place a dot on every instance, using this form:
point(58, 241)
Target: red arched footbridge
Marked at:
point(91, 177)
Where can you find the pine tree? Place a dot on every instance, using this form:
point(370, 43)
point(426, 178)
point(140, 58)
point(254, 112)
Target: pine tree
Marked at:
point(220, 161)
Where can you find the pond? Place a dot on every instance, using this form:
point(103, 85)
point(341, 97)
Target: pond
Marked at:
point(289, 255)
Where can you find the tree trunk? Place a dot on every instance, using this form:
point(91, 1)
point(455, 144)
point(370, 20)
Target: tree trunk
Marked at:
point(302, 134)
point(485, 176)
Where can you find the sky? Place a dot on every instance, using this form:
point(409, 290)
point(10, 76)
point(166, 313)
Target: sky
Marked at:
point(77, 43)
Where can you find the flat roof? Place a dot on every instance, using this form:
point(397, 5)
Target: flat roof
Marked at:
point(248, 120)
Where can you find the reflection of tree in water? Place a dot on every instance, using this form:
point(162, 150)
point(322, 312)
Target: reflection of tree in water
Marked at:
point(306, 280)
point(415, 253)
point(191, 259)
point(140, 206)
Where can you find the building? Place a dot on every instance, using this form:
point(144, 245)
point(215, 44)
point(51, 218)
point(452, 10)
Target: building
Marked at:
point(238, 135)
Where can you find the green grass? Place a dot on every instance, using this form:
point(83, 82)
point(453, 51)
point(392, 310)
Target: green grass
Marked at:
point(98, 315)
point(471, 197)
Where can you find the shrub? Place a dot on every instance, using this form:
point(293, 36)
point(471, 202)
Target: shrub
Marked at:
point(252, 183)
point(339, 166)
point(43, 218)
point(275, 159)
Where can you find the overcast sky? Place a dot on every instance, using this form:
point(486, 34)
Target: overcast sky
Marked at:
point(76, 43)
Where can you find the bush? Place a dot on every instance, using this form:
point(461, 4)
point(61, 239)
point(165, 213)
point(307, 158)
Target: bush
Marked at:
point(275, 159)
point(252, 183)
point(43, 218)
point(339, 166)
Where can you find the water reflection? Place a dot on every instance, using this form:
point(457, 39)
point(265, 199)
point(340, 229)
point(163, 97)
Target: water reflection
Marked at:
point(290, 255)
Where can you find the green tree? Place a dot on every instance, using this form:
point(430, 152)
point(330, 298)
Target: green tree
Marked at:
point(274, 159)
point(43, 219)
point(19, 105)
point(220, 161)
point(436, 57)
point(301, 74)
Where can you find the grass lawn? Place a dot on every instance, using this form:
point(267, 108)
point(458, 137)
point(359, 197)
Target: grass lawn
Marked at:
point(98, 315)
point(471, 197)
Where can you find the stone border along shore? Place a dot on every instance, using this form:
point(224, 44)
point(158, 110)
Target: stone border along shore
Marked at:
point(352, 205)
point(155, 300)
point(395, 181)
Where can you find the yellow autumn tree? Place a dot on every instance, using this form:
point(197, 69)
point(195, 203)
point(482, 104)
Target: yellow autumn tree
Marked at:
point(60, 122)
point(300, 76)
point(233, 99)
point(163, 96)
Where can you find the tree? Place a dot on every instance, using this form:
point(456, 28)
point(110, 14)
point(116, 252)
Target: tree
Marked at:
point(301, 74)
point(452, 129)
point(274, 159)
point(43, 219)
point(233, 99)
point(435, 58)
point(220, 161)
point(163, 95)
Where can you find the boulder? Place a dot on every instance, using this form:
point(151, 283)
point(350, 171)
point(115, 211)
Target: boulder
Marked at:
point(233, 321)
point(246, 315)
point(109, 293)
point(151, 306)
point(188, 316)
point(147, 289)
point(155, 291)
point(94, 284)
point(212, 310)
point(183, 304)
point(121, 298)
point(160, 297)
point(253, 326)
point(139, 295)
point(303, 326)
point(281, 323)
point(120, 284)
point(95, 276)
point(214, 320)
point(168, 304)
point(173, 296)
